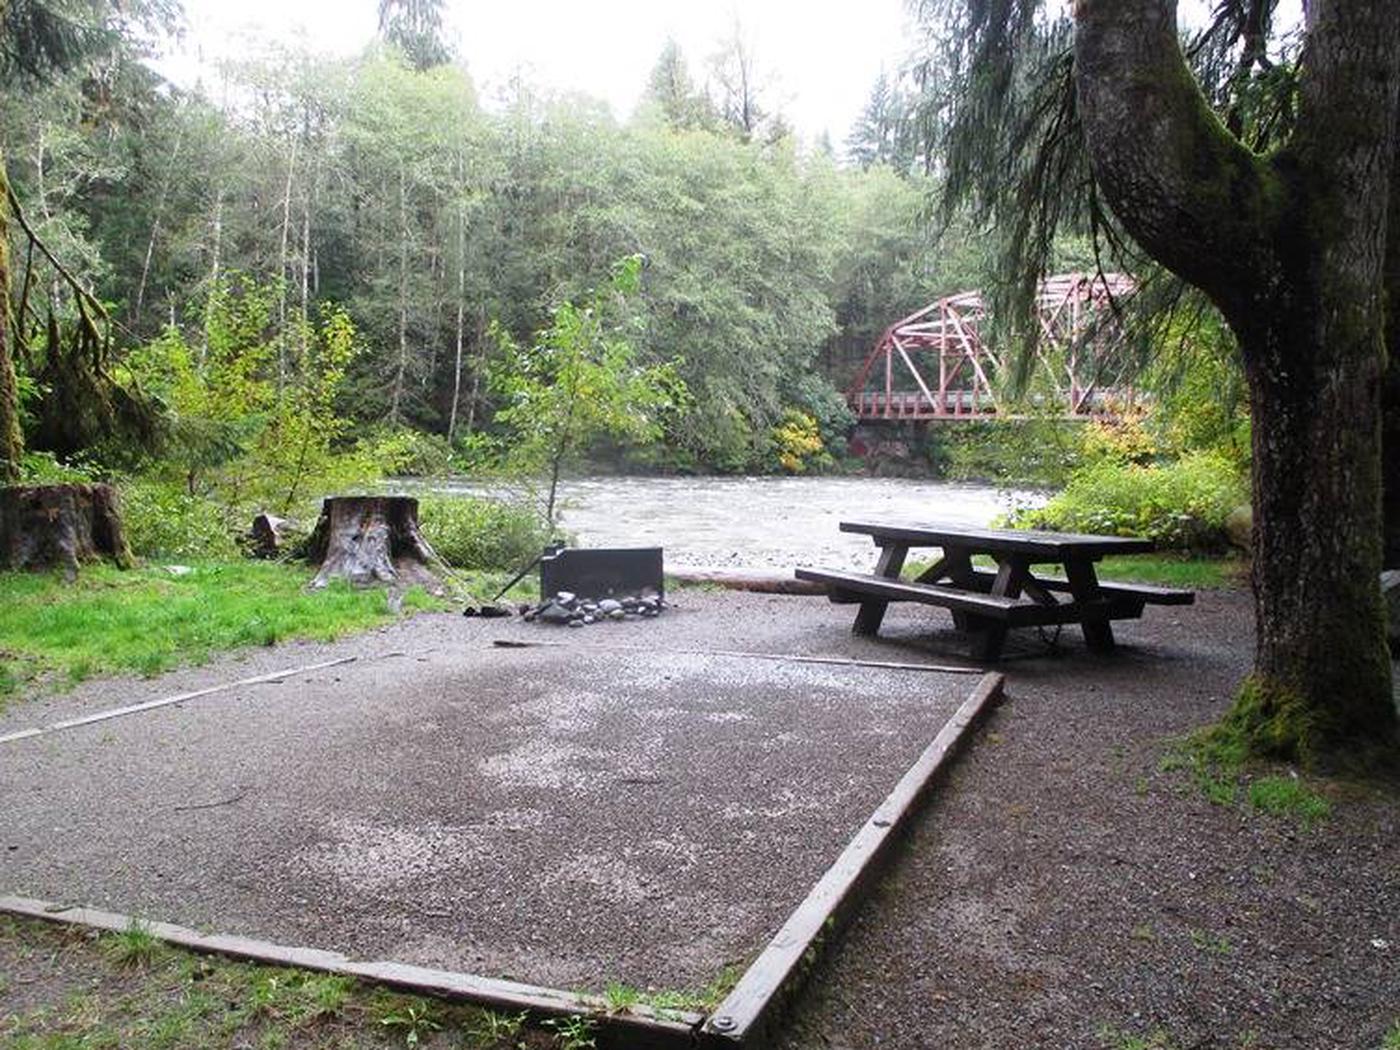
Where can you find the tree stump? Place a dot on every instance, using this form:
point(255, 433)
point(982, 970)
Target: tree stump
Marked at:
point(48, 526)
point(369, 540)
point(268, 537)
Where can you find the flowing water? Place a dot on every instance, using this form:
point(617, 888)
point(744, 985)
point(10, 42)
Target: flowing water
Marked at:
point(772, 523)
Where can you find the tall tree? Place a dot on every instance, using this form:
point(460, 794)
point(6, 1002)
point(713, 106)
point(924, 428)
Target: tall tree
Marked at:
point(741, 84)
point(672, 90)
point(415, 27)
point(1289, 244)
point(884, 131)
point(36, 38)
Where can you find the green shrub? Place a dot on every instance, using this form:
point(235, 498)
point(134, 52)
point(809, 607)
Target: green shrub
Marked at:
point(1181, 505)
point(481, 534)
point(162, 520)
point(1033, 451)
point(406, 453)
point(44, 468)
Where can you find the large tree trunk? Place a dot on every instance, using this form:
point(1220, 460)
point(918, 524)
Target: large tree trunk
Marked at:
point(1291, 251)
point(1390, 394)
point(11, 438)
point(372, 539)
point(60, 526)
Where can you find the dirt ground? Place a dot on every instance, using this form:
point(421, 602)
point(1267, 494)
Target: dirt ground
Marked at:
point(1062, 890)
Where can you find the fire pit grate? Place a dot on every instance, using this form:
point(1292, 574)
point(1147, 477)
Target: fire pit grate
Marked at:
point(584, 586)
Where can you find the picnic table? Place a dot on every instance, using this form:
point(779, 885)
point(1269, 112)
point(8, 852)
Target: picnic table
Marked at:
point(1018, 593)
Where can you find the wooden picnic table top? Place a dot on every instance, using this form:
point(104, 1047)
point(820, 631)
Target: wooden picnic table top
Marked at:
point(1052, 546)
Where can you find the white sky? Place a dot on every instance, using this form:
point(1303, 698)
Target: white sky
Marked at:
point(822, 57)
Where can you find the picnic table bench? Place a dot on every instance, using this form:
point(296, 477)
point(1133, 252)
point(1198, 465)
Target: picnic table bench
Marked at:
point(987, 604)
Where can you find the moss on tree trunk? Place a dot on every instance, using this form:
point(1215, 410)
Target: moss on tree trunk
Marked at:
point(11, 438)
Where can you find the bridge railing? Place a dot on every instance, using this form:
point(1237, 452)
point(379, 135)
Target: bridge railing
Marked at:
point(872, 404)
point(957, 404)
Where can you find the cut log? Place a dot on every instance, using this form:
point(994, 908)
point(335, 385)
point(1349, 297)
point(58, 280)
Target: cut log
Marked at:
point(60, 526)
point(372, 539)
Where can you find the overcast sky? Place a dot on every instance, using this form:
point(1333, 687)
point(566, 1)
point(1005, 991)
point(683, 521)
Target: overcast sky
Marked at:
point(823, 58)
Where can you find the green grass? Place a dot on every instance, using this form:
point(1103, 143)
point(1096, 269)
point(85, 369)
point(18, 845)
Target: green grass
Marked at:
point(1210, 943)
point(147, 621)
point(1392, 1038)
point(1169, 570)
point(702, 1000)
point(1116, 1039)
point(1289, 796)
point(134, 946)
point(79, 993)
point(1218, 762)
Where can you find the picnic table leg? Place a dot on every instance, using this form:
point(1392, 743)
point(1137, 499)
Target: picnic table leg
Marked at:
point(872, 610)
point(1084, 585)
point(956, 565)
point(1010, 574)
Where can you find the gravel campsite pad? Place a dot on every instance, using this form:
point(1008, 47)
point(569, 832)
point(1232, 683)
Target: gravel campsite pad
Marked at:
point(563, 816)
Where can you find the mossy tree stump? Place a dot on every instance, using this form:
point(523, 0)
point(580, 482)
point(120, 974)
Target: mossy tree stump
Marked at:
point(60, 526)
point(369, 540)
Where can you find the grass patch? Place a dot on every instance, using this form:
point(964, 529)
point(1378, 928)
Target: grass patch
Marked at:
point(1392, 1038)
point(78, 993)
point(1160, 569)
point(146, 621)
point(1174, 570)
point(1217, 759)
point(136, 946)
point(1111, 1038)
point(1213, 759)
point(1290, 797)
point(1210, 943)
point(702, 1000)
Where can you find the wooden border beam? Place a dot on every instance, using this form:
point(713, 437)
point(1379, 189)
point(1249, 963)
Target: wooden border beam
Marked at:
point(751, 1013)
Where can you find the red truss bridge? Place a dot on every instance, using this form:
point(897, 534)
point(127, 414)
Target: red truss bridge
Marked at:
point(934, 365)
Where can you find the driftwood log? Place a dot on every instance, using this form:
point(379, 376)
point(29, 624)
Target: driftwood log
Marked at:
point(372, 539)
point(60, 526)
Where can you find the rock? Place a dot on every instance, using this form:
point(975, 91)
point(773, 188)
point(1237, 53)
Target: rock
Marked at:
point(576, 623)
point(555, 613)
point(616, 614)
point(1390, 591)
point(566, 597)
point(1239, 527)
point(609, 606)
point(589, 618)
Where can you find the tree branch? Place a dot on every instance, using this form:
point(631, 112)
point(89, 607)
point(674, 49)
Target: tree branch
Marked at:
point(1185, 188)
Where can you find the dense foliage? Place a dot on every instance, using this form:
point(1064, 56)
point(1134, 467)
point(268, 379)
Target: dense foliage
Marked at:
point(1180, 504)
point(380, 189)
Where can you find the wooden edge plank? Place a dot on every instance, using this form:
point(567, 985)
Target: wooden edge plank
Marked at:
point(640, 1026)
point(752, 1008)
point(167, 701)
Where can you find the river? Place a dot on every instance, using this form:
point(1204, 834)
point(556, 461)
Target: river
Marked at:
point(764, 522)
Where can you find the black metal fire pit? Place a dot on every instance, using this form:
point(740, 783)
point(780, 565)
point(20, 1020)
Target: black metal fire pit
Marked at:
point(599, 573)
